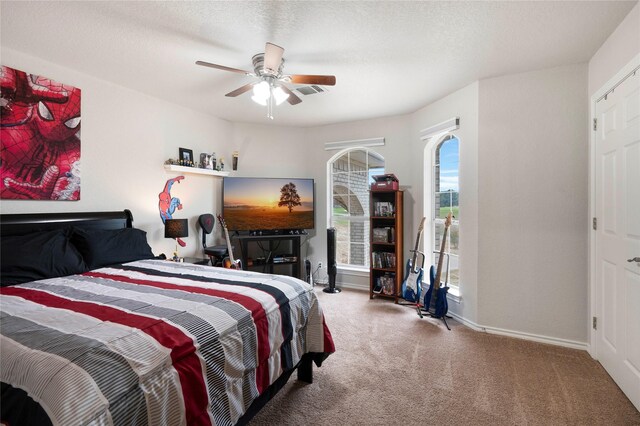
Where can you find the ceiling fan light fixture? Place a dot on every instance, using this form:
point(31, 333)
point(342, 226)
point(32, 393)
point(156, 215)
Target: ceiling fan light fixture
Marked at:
point(259, 100)
point(270, 90)
point(262, 91)
point(279, 95)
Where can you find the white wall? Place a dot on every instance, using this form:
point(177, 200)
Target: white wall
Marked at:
point(403, 153)
point(526, 132)
point(533, 225)
point(621, 46)
point(464, 104)
point(277, 151)
point(396, 151)
point(126, 137)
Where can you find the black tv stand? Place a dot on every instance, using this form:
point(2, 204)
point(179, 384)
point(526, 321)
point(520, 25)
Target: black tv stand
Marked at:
point(260, 233)
point(257, 253)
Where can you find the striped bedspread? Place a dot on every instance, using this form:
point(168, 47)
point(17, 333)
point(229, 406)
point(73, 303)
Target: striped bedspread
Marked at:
point(153, 343)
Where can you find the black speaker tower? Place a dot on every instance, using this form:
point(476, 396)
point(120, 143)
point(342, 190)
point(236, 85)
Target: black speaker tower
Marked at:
point(332, 266)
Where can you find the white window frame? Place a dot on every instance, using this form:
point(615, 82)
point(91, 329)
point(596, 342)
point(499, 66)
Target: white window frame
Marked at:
point(429, 200)
point(365, 217)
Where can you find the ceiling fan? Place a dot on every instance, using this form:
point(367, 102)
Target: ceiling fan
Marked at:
point(270, 87)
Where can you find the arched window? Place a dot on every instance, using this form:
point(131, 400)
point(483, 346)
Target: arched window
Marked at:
point(445, 194)
point(349, 173)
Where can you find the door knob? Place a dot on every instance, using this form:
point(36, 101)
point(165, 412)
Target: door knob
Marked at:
point(635, 259)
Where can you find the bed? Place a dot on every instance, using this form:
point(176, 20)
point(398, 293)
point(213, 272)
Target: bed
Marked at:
point(96, 330)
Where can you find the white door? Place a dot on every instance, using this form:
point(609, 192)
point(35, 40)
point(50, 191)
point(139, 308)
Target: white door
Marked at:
point(617, 201)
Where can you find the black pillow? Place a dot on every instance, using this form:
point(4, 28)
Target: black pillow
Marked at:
point(107, 247)
point(37, 256)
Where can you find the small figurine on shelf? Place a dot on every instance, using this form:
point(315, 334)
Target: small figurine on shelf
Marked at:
point(235, 160)
point(220, 164)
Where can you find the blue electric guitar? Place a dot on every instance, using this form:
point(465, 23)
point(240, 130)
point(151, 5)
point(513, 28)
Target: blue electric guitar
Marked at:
point(435, 300)
point(412, 284)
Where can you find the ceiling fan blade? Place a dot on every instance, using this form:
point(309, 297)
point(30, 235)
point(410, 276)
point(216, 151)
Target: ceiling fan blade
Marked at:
point(222, 67)
point(272, 58)
point(292, 99)
point(322, 80)
point(240, 90)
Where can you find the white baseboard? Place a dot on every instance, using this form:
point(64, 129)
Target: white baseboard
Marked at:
point(592, 351)
point(353, 286)
point(522, 335)
point(350, 286)
point(499, 331)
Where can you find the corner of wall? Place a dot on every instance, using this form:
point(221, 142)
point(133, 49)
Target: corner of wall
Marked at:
point(618, 50)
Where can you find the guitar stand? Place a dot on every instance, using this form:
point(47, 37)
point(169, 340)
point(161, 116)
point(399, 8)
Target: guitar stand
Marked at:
point(444, 320)
point(416, 306)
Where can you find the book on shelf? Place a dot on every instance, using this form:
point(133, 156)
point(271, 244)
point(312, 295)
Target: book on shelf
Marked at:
point(384, 235)
point(383, 259)
point(387, 283)
point(383, 209)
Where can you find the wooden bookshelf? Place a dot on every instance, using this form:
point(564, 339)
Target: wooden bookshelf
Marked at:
point(386, 245)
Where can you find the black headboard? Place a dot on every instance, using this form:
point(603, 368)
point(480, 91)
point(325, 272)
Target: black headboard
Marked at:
point(19, 224)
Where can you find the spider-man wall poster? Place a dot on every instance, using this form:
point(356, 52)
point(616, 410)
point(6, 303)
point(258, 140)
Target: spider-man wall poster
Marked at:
point(39, 138)
point(168, 204)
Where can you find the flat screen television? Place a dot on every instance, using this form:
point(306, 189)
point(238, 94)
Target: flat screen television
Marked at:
point(268, 204)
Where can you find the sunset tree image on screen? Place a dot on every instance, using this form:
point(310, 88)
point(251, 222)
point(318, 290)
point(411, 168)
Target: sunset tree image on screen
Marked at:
point(289, 196)
point(254, 203)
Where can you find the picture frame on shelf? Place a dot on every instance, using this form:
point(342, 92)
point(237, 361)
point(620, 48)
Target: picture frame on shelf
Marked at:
point(186, 157)
point(205, 161)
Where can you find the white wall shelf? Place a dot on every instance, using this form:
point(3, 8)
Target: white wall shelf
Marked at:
point(195, 170)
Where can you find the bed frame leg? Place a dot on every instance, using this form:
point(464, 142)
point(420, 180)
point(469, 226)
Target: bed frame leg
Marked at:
point(305, 369)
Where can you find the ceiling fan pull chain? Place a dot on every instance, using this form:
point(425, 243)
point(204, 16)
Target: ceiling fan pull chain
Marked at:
point(270, 106)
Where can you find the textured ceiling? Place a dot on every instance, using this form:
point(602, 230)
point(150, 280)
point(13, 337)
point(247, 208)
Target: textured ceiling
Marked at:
point(389, 58)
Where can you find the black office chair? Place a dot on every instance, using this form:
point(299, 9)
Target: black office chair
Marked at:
point(216, 253)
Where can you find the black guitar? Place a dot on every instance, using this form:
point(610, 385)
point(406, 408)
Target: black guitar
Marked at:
point(435, 300)
point(412, 284)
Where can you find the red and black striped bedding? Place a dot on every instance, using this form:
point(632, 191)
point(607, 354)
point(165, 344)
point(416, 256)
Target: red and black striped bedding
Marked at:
point(152, 342)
